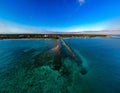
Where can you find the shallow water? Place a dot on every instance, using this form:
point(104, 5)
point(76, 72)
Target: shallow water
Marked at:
point(27, 66)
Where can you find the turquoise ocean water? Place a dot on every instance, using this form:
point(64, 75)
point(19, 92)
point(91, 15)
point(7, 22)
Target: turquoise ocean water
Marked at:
point(103, 57)
point(27, 66)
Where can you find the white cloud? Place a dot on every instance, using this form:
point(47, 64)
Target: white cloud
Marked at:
point(89, 27)
point(114, 24)
point(81, 2)
point(9, 28)
point(13, 28)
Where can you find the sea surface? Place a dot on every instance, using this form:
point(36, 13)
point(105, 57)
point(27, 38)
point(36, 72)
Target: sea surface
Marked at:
point(29, 66)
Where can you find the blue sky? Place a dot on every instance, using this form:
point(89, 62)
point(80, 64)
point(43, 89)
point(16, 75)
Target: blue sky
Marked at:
point(59, 15)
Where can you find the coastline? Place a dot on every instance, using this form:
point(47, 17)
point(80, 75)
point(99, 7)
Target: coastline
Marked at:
point(48, 36)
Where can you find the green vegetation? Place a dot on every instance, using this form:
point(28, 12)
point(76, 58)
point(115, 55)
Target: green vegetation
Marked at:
point(47, 36)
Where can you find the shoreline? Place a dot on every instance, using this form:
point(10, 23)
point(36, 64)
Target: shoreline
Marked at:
point(48, 36)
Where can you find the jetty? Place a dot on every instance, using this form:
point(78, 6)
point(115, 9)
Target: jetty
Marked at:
point(65, 51)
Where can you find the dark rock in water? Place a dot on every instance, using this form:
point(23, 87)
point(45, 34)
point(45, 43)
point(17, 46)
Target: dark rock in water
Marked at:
point(65, 71)
point(57, 62)
point(83, 71)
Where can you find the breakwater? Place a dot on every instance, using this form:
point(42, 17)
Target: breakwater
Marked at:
point(65, 51)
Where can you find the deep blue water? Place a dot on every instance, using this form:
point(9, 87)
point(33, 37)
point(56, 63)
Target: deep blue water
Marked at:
point(103, 58)
point(21, 71)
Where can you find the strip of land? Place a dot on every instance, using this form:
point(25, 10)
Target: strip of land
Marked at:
point(48, 36)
